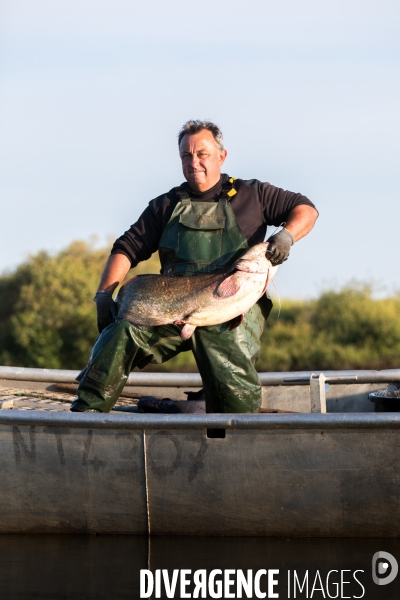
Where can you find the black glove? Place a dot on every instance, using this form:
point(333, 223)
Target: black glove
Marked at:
point(279, 246)
point(107, 309)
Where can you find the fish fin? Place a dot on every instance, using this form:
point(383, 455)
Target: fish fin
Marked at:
point(187, 331)
point(229, 287)
point(235, 322)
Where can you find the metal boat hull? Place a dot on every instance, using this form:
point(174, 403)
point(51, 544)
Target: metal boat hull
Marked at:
point(328, 475)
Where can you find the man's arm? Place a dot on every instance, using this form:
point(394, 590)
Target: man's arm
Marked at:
point(117, 266)
point(135, 245)
point(300, 221)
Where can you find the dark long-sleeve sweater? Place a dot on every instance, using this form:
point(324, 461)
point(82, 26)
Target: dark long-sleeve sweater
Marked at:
point(256, 205)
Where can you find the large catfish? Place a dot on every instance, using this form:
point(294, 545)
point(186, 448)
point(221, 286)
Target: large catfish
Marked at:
point(197, 300)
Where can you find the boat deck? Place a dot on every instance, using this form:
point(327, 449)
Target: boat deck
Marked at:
point(56, 401)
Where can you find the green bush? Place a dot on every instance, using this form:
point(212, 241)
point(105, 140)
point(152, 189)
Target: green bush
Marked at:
point(47, 317)
point(348, 329)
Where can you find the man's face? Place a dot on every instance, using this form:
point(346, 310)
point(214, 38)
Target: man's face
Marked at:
point(201, 160)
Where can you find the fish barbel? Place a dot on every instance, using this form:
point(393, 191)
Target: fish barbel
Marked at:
point(197, 300)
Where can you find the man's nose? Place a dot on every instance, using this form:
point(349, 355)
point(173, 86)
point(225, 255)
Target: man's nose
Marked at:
point(194, 161)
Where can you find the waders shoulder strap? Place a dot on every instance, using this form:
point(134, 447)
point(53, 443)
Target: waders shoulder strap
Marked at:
point(182, 193)
point(228, 188)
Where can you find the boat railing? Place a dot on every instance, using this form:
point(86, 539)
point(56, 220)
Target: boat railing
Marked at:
point(295, 391)
point(194, 379)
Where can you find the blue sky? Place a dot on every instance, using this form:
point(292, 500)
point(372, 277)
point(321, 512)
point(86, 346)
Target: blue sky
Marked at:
point(92, 95)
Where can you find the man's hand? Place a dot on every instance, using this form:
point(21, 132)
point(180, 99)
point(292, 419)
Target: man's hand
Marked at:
point(106, 309)
point(279, 246)
point(115, 270)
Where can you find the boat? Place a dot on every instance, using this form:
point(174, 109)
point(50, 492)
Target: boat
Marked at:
point(317, 462)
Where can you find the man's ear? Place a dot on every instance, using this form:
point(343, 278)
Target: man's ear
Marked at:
point(222, 156)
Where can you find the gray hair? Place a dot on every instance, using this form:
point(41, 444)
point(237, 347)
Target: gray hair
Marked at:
point(195, 126)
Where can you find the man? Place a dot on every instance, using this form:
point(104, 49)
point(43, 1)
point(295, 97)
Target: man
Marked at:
point(202, 226)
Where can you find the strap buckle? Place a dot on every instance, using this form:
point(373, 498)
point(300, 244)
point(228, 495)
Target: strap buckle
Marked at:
point(229, 187)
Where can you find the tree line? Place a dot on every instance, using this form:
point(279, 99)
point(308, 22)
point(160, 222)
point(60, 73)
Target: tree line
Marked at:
point(48, 320)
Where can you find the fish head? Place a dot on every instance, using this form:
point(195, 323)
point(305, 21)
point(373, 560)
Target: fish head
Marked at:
point(254, 260)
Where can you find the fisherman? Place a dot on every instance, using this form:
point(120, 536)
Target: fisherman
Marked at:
point(201, 226)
